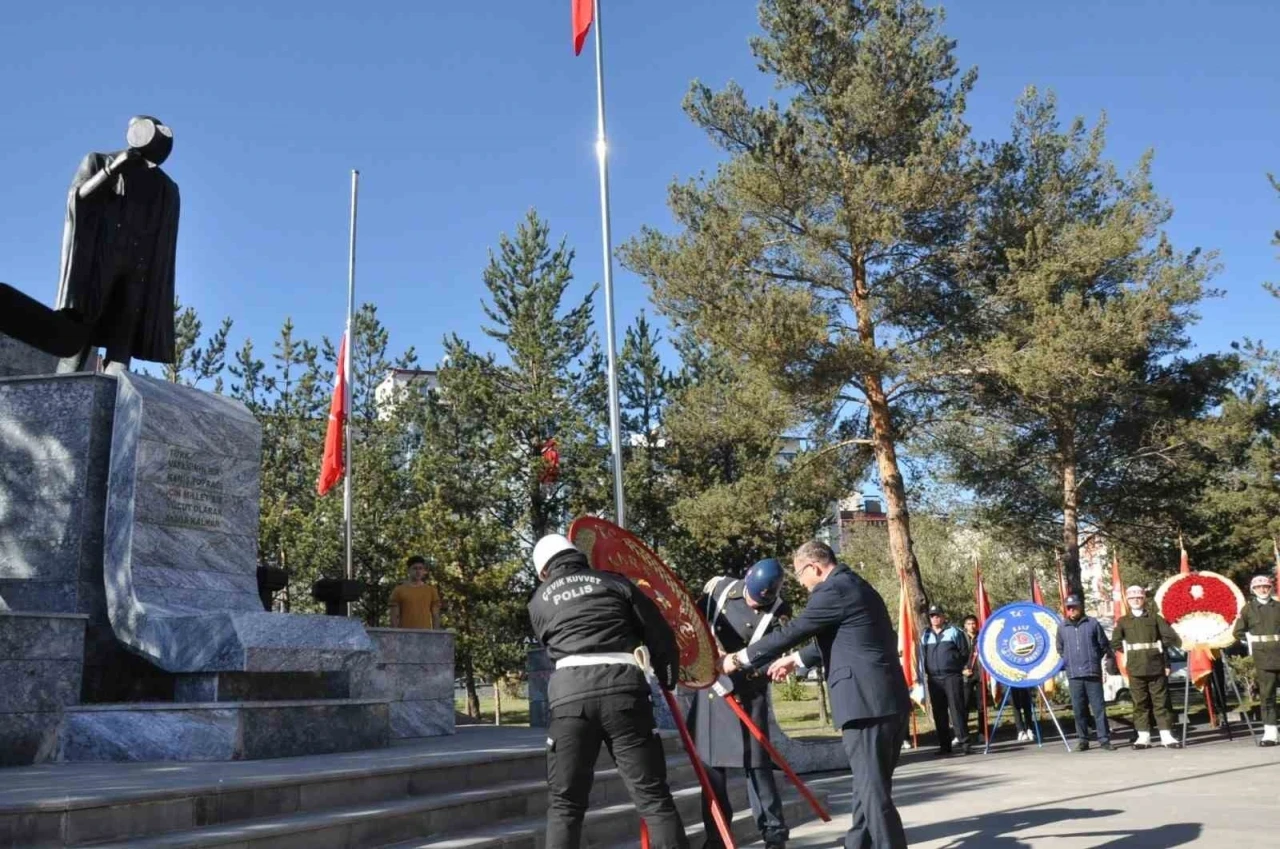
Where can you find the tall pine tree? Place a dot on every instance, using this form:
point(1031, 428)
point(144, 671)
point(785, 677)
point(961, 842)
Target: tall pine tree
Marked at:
point(1077, 401)
point(824, 249)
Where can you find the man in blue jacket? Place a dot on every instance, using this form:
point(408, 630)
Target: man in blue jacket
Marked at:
point(1084, 646)
point(944, 654)
point(857, 645)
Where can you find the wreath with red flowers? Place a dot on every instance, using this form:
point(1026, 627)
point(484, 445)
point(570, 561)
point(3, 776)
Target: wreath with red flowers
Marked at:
point(1201, 607)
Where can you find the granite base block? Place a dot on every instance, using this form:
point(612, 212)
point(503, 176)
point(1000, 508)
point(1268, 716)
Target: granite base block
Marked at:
point(262, 686)
point(28, 737)
point(180, 548)
point(404, 645)
point(425, 718)
point(42, 636)
point(222, 731)
point(19, 358)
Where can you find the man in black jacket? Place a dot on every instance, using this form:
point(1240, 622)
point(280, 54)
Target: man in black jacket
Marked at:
point(857, 646)
point(1084, 646)
point(594, 625)
point(944, 653)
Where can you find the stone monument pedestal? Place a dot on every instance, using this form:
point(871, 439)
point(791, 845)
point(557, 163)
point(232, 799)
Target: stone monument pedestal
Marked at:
point(41, 662)
point(415, 673)
point(128, 560)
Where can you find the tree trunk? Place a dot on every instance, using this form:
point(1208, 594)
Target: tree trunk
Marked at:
point(886, 453)
point(497, 701)
point(1070, 517)
point(824, 715)
point(473, 697)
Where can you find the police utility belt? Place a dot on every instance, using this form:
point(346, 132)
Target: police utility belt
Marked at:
point(638, 658)
point(1143, 646)
point(1264, 638)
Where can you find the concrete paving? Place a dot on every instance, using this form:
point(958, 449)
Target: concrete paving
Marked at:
point(1215, 793)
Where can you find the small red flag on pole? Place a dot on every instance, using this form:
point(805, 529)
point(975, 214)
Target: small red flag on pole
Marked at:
point(332, 466)
point(583, 14)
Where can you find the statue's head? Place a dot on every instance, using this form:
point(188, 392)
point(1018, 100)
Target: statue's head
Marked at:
point(152, 139)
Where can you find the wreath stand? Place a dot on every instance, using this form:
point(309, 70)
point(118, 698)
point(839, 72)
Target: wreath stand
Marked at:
point(1230, 678)
point(1034, 717)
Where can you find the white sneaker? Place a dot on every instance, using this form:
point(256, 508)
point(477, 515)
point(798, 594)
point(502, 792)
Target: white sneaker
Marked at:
point(955, 741)
point(1169, 741)
point(1143, 741)
point(1269, 736)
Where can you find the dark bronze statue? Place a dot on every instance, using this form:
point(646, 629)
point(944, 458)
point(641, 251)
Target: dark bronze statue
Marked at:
point(118, 250)
point(115, 290)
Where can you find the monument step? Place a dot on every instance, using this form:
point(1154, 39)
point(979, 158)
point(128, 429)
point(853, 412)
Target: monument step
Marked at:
point(378, 823)
point(54, 805)
point(615, 825)
point(221, 731)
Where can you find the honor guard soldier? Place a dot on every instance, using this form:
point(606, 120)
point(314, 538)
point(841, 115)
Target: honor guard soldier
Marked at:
point(598, 628)
point(740, 613)
point(1259, 621)
point(1143, 636)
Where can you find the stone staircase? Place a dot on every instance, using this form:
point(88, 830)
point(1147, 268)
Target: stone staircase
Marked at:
point(481, 789)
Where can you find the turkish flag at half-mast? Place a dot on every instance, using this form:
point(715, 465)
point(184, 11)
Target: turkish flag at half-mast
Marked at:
point(332, 467)
point(583, 14)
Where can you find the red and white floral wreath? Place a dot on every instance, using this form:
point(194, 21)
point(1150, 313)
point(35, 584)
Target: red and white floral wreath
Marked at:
point(1201, 607)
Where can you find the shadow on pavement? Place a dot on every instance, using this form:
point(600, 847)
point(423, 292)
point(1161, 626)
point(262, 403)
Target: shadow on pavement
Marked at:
point(1160, 837)
point(995, 831)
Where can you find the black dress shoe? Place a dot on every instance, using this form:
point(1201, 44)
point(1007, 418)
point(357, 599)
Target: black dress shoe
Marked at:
point(1106, 745)
point(944, 753)
point(1083, 747)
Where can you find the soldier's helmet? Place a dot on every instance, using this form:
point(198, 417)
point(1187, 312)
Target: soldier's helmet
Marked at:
point(1260, 581)
point(763, 580)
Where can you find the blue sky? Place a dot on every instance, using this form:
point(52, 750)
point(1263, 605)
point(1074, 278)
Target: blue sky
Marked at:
point(462, 116)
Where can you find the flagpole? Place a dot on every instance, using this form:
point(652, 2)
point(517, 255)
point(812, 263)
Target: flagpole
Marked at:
point(615, 425)
point(346, 440)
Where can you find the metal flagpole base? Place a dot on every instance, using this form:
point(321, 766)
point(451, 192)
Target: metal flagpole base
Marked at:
point(1049, 707)
point(996, 724)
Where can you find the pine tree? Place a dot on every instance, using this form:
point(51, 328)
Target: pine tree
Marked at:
point(824, 249)
point(547, 384)
point(643, 386)
point(1077, 401)
point(194, 363)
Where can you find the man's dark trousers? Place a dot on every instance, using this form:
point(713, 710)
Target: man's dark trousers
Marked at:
point(873, 747)
point(762, 793)
point(946, 697)
point(1267, 693)
point(1150, 695)
point(623, 723)
point(1086, 698)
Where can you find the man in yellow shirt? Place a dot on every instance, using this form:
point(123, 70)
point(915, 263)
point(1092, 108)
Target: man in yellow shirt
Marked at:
point(415, 604)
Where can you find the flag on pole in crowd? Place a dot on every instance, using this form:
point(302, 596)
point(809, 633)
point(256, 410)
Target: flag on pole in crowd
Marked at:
point(1276, 549)
point(982, 608)
point(907, 642)
point(1038, 598)
point(1118, 606)
point(1199, 661)
point(1062, 588)
point(332, 467)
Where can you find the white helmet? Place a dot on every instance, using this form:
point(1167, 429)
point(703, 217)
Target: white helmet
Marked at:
point(546, 549)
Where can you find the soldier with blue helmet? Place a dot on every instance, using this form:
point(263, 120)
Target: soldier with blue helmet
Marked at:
point(740, 612)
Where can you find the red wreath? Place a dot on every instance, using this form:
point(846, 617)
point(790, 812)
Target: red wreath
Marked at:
point(612, 549)
point(1201, 607)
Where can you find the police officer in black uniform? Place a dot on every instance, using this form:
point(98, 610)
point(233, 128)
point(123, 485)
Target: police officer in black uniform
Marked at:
point(740, 613)
point(597, 627)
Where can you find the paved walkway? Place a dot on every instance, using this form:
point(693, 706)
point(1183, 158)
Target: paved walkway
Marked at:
point(1213, 794)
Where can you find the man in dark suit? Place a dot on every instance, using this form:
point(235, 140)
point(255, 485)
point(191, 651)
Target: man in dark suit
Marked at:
point(857, 646)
